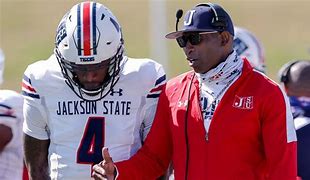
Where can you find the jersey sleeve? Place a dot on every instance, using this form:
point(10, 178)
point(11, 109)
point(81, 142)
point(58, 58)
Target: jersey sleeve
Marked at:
point(35, 118)
point(279, 136)
point(8, 115)
point(11, 115)
point(151, 100)
point(11, 110)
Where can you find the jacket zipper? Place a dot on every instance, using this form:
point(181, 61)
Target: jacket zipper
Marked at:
point(186, 125)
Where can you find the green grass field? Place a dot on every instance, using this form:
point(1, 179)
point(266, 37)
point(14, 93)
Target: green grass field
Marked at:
point(28, 27)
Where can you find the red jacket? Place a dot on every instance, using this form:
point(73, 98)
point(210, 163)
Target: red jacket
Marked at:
point(251, 136)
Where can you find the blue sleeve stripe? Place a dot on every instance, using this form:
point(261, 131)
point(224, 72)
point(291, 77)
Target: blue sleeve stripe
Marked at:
point(27, 79)
point(152, 96)
point(31, 95)
point(5, 106)
point(160, 80)
point(7, 115)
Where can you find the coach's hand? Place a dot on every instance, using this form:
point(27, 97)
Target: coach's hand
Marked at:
point(105, 169)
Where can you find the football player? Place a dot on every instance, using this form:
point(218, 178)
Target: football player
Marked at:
point(248, 46)
point(85, 96)
point(11, 120)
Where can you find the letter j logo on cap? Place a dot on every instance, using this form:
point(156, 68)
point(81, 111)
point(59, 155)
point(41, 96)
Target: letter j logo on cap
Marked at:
point(189, 19)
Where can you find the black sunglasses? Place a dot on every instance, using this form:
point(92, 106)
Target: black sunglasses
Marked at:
point(194, 38)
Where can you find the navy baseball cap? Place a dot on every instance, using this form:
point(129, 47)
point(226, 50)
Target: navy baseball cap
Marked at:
point(206, 17)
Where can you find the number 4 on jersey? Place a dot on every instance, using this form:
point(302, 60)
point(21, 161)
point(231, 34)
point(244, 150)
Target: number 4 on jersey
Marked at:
point(89, 151)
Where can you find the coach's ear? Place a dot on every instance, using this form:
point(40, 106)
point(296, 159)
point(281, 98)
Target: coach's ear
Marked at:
point(226, 37)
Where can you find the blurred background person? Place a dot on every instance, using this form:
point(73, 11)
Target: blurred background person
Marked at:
point(295, 76)
point(11, 120)
point(247, 45)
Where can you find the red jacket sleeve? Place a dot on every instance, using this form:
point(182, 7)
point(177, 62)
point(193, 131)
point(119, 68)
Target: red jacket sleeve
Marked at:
point(152, 160)
point(279, 137)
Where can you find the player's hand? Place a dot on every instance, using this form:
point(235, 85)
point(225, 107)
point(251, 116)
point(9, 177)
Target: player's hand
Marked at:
point(105, 169)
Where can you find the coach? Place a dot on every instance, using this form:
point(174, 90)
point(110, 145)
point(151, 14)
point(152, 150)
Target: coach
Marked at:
point(222, 121)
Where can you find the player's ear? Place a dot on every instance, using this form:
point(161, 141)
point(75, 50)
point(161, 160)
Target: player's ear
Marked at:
point(225, 37)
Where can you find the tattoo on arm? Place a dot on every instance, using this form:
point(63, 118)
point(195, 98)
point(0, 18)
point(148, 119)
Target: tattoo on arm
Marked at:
point(36, 157)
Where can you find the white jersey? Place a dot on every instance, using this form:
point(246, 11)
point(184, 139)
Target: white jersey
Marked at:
point(11, 157)
point(78, 129)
